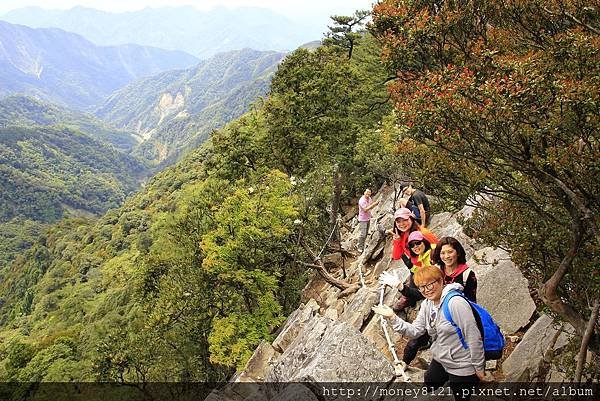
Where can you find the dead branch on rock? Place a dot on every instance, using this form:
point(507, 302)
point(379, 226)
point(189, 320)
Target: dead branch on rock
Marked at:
point(318, 265)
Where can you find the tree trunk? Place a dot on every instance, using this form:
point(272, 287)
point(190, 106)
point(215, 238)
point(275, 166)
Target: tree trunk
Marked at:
point(585, 341)
point(335, 207)
point(549, 290)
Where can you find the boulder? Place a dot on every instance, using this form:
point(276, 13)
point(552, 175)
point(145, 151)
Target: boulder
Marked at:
point(294, 324)
point(331, 313)
point(374, 332)
point(446, 225)
point(359, 308)
point(295, 392)
point(502, 289)
point(330, 351)
point(525, 363)
point(258, 365)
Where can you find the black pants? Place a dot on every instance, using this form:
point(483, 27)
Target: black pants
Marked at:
point(436, 376)
point(414, 345)
point(411, 291)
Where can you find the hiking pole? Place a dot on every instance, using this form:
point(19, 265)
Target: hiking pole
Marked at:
point(399, 365)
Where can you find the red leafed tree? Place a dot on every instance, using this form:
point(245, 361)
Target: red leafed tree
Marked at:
point(505, 96)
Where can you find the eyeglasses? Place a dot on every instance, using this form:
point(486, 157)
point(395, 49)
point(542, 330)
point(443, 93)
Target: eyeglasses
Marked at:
point(427, 287)
point(415, 244)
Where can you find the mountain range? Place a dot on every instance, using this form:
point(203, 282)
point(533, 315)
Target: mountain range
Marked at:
point(68, 69)
point(203, 34)
point(176, 110)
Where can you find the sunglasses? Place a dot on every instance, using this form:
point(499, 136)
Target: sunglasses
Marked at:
point(428, 286)
point(415, 244)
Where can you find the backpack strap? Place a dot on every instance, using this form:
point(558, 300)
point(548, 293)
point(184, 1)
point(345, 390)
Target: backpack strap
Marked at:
point(465, 275)
point(448, 315)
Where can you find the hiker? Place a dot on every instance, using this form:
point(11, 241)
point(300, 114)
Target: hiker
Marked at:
point(365, 204)
point(419, 247)
point(403, 202)
point(461, 367)
point(404, 225)
point(451, 257)
point(418, 199)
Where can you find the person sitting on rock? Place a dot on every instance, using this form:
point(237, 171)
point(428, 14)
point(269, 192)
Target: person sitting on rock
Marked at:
point(421, 249)
point(451, 257)
point(461, 367)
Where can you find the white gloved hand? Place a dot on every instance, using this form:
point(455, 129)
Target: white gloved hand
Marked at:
point(391, 278)
point(384, 311)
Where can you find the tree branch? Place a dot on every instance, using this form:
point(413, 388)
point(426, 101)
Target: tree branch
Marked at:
point(585, 341)
point(549, 290)
point(574, 19)
point(318, 265)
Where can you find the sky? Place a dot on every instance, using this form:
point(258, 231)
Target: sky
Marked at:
point(291, 8)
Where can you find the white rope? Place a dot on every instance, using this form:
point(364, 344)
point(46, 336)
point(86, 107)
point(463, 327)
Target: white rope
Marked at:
point(399, 365)
point(328, 239)
point(360, 274)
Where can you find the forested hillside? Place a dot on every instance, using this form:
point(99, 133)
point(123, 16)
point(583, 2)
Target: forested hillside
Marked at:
point(185, 279)
point(209, 243)
point(175, 111)
point(19, 110)
point(50, 172)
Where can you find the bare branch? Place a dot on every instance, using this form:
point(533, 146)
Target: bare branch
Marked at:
point(318, 265)
point(575, 20)
point(585, 341)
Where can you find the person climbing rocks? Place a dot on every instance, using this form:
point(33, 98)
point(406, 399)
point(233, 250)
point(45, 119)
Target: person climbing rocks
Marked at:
point(461, 367)
point(365, 204)
point(451, 257)
point(418, 199)
point(404, 225)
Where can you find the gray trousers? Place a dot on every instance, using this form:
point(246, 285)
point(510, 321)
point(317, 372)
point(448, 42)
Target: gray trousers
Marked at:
point(364, 230)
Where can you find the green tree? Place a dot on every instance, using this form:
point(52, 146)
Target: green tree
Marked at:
point(309, 110)
point(504, 94)
point(341, 34)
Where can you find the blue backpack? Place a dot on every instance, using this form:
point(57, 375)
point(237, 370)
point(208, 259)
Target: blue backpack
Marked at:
point(493, 340)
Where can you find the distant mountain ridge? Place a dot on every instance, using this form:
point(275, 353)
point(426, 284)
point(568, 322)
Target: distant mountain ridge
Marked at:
point(186, 28)
point(176, 110)
point(66, 68)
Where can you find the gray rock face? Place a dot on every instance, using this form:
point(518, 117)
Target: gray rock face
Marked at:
point(293, 325)
point(360, 307)
point(446, 225)
point(502, 289)
point(525, 363)
point(331, 351)
point(258, 365)
point(295, 392)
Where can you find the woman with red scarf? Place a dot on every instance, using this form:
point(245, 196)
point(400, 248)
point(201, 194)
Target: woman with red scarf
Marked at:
point(451, 257)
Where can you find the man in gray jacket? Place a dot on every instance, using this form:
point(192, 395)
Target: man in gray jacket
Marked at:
point(461, 368)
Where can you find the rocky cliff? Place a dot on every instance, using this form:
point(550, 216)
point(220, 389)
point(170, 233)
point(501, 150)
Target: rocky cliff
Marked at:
point(336, 338)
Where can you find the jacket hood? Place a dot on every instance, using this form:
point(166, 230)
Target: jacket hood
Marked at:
point(450, 287)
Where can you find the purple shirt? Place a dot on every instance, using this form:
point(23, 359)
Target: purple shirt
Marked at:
point(363, 203)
